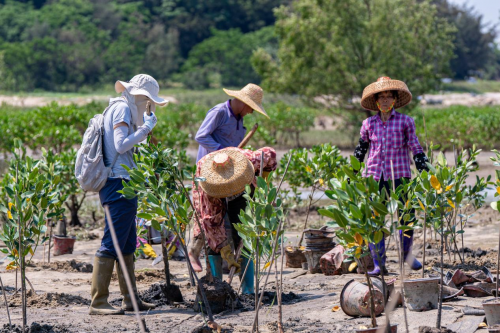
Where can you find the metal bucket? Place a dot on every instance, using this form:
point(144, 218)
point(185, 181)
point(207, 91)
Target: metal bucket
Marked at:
point(492, 312)
point(63, 245)
point(394, 329)
point(355, 300)
point(422, 294)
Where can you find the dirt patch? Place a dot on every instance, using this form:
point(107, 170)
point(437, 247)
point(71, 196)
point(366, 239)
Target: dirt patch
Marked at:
point(470, 264)
point(219, 294)
point(269, 298)
point(36, 328)
point(48, 300)
point(155, 294)
point(64, 266)
point(426, 329)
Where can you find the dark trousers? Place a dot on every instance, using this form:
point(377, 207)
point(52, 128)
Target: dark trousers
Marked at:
point(123, 212)
point(386, 185)
point(232, 215)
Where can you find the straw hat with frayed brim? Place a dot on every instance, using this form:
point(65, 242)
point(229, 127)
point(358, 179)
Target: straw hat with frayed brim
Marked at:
point(226, 172)
point(251, 95)
point(368, 101)
point(142, 84)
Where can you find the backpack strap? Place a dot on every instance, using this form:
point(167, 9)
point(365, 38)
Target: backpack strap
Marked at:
point(103, 114)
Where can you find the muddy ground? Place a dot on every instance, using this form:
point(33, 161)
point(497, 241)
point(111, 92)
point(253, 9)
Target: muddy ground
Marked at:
point(63, 293)
point(63, 288)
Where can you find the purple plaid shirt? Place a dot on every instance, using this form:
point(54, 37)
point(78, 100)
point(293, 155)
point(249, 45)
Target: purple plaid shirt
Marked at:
point(390, 141)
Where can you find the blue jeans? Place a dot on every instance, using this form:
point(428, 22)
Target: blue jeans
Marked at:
point(123, 212)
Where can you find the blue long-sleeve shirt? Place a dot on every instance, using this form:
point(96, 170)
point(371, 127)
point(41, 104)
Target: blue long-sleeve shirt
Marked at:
point(220, 129)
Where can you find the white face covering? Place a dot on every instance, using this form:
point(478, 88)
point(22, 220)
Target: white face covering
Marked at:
point(137, 105)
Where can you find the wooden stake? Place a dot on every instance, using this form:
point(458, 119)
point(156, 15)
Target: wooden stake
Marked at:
point(425, 233)
point(401, 255)
point(116, 245)
point(498, 265)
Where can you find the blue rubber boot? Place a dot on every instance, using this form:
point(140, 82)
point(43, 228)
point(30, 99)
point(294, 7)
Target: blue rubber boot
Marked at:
point(408, 256)
point(378, 254)
point(216, 265)
point(247, 282)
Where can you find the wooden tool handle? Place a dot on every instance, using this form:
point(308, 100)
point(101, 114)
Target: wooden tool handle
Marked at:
point(233, 269)
point(248, 136)
point(148, 108)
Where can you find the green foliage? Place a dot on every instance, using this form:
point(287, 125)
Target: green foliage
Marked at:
point(359, 209)
point(68, 45)
point(30, 194)
point(285, 126)
point(225, 58)
point(478, 126)
point(443, 195)
point(311, 168)
point(336, 48)
point(473, 40)
point(54, 127)
point(260, 221)
point(69, 185)
point(156, 183)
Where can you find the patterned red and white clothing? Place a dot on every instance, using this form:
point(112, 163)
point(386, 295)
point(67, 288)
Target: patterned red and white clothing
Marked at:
point(212, 210)
point(390, 141)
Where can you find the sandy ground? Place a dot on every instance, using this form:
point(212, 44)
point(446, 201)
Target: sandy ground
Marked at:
point(310, 311)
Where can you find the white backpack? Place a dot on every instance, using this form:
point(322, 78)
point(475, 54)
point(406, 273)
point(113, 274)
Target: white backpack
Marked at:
point(89, 165)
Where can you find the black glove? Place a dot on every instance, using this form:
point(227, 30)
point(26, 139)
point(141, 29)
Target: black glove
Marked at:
point(361, 150)
point(421, 162)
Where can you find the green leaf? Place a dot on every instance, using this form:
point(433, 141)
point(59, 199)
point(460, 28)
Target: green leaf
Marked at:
point(356, 212)
point(269, 211)
point(155, 224)
point(261, 183)
point(379, 208)
point(327, 213)
point(153, 200)
point(356, 165)
point(145, 216)
point(392, 206)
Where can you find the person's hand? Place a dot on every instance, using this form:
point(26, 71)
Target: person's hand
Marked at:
point(149, 121)
point(228, 255)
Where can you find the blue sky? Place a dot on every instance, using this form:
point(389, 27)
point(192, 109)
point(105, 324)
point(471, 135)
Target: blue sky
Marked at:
point(490, 9)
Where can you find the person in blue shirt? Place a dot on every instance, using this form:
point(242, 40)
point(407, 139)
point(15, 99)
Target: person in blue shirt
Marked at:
point(223, 125)
point(222, 128)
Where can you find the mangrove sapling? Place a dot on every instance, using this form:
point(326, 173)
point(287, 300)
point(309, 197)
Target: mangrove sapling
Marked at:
point(157, 181)
point(358, 211)
point(30, 195)
point(260, 230)
point(310, 168)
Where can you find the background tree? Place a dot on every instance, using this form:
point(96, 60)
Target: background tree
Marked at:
point(336, 48)
point(473, 39)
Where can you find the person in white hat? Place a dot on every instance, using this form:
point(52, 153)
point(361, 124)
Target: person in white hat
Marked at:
point(125, 125)
point(222, 128)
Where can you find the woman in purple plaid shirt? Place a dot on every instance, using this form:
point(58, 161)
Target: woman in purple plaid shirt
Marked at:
point(390, 135)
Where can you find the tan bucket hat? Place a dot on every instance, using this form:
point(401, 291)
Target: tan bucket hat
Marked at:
point(251, 95)
point(142, 84)
point(226, 172)
point(385, 83)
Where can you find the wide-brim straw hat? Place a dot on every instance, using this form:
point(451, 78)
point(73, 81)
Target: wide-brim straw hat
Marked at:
point(226, 172)
point(385, 83)
point(251, 95)
point(142, 84)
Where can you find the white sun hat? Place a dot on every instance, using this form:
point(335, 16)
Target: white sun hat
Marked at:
point(142, 84)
